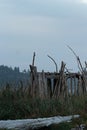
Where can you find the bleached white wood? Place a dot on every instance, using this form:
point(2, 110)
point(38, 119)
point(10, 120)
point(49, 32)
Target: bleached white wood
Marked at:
point(34, 123)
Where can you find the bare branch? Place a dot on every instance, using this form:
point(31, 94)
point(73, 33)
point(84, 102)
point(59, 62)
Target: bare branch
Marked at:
point(86, 64)
point(72, 51)
point(54, 63)
point(33, 59)
point(78, 59)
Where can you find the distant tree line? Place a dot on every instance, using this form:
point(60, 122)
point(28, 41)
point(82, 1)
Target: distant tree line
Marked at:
point(13, 76)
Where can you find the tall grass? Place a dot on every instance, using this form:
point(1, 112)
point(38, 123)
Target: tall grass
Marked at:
point(18, 104)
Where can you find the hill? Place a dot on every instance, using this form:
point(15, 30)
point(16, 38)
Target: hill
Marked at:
point(12, 76)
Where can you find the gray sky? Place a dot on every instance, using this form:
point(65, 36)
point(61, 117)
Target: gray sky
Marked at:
point(43, 26)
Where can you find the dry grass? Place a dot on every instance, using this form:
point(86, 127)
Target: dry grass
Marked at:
point(17, 104)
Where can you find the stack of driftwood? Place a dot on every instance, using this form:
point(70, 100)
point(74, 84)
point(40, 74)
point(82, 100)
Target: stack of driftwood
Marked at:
point(62, 83)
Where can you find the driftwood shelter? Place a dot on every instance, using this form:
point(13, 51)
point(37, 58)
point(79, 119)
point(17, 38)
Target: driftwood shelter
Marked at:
point(62, 83)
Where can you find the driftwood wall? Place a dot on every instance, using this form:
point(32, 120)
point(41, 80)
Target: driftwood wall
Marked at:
point(62, 83)
point(54, 85)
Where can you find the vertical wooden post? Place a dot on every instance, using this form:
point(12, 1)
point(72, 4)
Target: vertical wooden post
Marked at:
point(44, 85)
point(71, 86)
point(75, 86)
point(61, 78)
point(34, 81)
point(80, 85)
point(33, 59)
point(65, 89)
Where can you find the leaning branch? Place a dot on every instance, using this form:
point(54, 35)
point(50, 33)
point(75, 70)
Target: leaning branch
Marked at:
point(78, 59)
point(54, 63)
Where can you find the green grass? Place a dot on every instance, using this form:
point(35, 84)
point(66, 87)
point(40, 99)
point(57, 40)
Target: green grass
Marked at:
point(18, 104)
point(3, 129)
point(61, 126)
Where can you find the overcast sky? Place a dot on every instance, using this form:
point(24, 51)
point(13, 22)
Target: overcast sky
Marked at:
point(43, 26)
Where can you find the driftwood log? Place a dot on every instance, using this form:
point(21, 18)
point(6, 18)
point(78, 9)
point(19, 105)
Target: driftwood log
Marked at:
point(28, 124)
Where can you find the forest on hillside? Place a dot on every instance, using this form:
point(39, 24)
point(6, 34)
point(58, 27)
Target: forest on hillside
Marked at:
point(13, 76)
